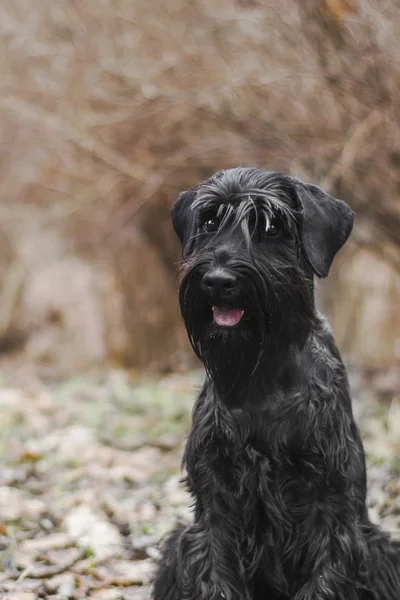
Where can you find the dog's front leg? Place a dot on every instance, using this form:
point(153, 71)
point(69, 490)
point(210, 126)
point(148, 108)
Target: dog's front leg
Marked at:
point(194, 566)
point(334, 562)
point(208, 563)
point(167, 582)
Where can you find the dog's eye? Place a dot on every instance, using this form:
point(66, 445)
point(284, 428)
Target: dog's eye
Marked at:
point(211, 225)
point(274, 227)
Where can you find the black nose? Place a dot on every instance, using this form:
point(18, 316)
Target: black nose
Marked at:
point(220, 281)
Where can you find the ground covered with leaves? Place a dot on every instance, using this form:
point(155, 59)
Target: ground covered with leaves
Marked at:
point(90, 478)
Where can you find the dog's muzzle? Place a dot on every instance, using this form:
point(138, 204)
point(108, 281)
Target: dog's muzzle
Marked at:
point(222, 288)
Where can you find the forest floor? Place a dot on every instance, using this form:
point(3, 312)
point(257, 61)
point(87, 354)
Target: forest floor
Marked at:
point(90, 477)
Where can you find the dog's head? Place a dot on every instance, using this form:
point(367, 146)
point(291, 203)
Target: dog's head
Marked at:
point(252, 242)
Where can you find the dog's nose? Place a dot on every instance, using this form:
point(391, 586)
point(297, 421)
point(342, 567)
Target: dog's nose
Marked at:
point(219, 281)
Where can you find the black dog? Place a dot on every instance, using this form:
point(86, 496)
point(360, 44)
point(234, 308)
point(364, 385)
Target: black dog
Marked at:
point(274, 460)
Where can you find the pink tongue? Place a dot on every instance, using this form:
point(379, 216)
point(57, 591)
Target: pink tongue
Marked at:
point(228, 317)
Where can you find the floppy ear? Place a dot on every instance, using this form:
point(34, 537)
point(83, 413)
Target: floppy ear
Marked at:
point(181, 215)
point(326, 224)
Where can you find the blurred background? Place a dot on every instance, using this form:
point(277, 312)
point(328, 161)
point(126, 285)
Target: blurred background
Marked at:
point(109, 109)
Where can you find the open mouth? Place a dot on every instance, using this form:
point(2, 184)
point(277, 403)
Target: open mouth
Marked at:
point(227, 317)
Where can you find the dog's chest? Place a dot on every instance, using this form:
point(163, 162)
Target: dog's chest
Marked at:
point(256, 484)
point(263, 474)
point(257, 477)
point(261, 502)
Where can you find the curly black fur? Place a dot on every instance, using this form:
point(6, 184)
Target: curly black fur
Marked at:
point(274, 459)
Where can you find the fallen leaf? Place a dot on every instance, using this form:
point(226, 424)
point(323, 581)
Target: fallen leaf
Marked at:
point(126, 572)
point(54, 541)
point(16, 503)
point(92, 531)
point(106, 594)
point(21, 596)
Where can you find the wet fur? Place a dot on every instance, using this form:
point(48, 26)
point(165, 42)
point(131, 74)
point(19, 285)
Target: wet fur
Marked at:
point(275, 463)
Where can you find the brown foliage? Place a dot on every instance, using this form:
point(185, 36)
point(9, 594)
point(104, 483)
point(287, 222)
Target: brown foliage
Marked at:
point(110, 108)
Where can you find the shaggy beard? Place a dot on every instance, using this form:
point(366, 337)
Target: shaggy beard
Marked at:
point(274, 315)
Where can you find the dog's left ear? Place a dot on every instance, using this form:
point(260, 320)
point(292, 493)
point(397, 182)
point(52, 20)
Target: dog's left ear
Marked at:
point(326, 224)
point(181, 214)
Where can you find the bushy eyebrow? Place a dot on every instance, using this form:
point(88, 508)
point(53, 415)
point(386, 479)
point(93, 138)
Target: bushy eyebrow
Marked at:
point(236, 210)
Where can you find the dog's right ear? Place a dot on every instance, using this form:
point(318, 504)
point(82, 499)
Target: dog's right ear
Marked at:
point(326, 225)
point(182, 216)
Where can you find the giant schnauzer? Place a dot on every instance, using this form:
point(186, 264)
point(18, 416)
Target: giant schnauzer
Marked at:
point(274, 459)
